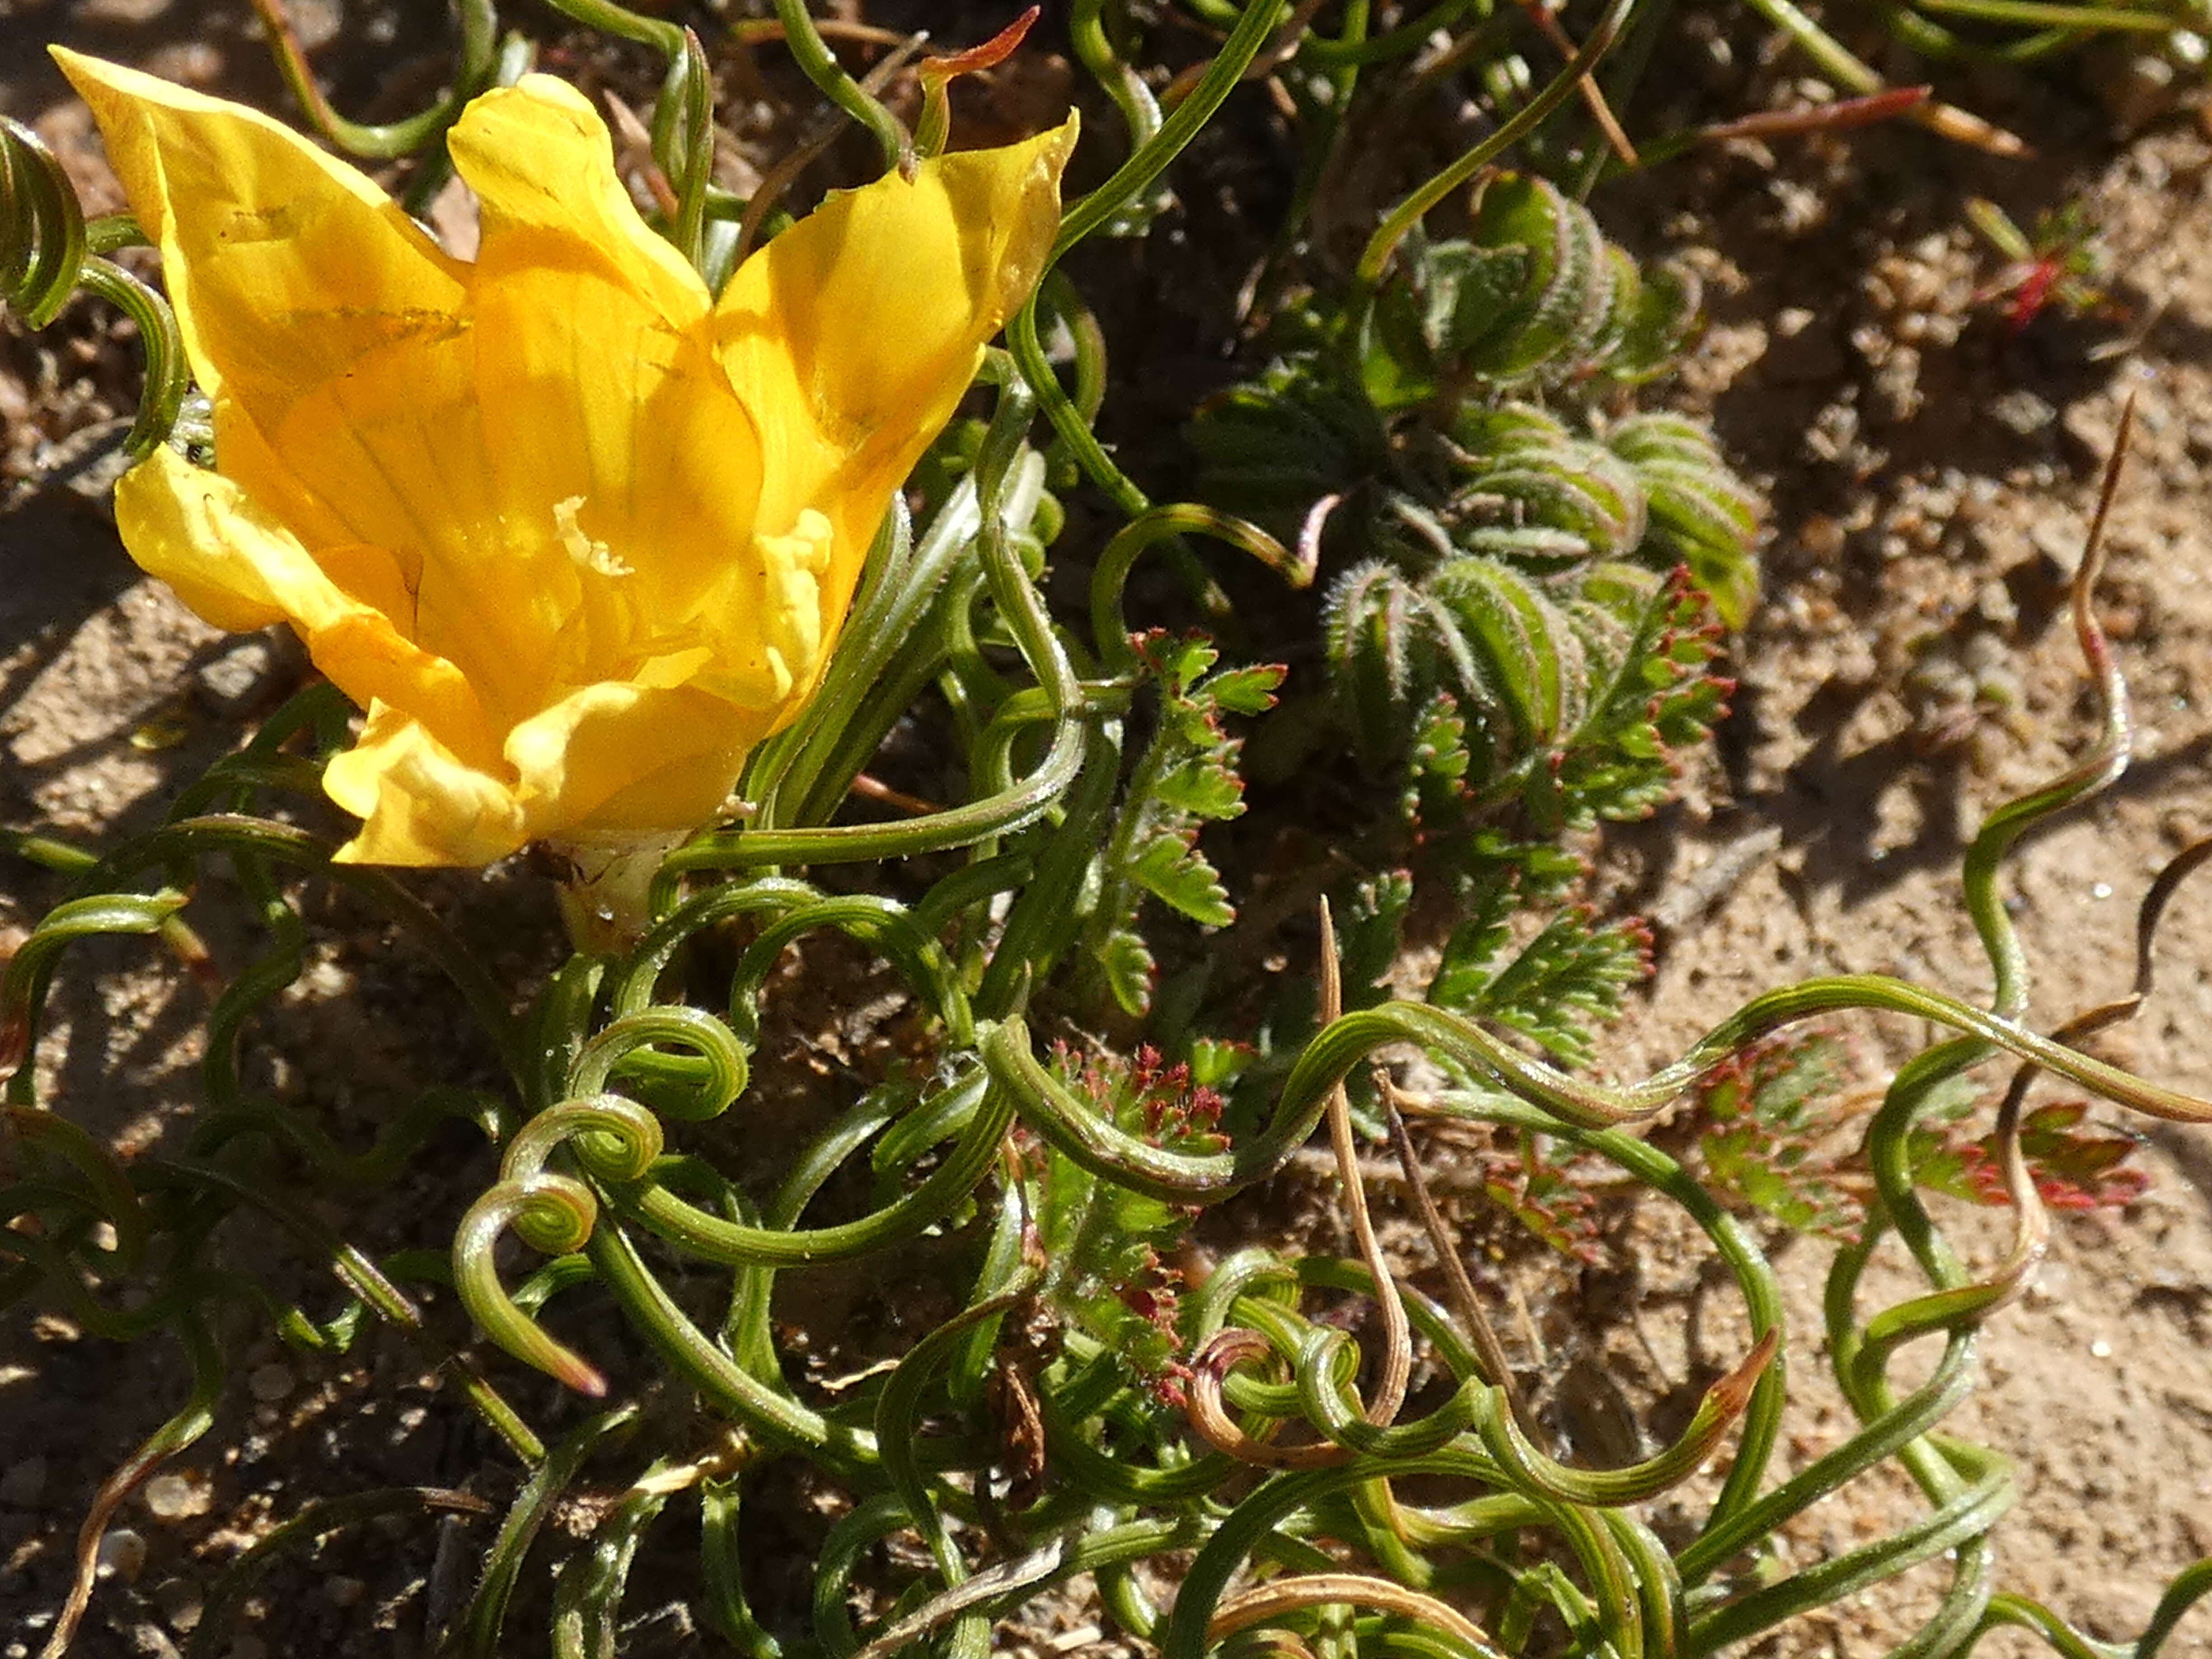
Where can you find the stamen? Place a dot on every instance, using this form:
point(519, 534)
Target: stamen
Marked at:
point(588, 554)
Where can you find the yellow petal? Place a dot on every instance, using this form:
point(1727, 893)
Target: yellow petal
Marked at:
point(328, 329)
point(542, 165)
point(769, 628)
point(852, 336)
point(237, 567)
point(201, 534)
point(390, 455)
point(624, 758)
point(285, 266)
point(420, 804)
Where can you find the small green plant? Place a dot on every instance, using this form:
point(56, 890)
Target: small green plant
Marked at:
point(1186, 778)
point(2074, 1167)
point(1522, 624)
point(1764, 1118)
point(1775, 1131)
point(1107, 1251)
point(2060, 262)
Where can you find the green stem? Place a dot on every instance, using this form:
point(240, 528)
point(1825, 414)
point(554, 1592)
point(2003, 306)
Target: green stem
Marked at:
point(193, 1420)
point(730, 1243)
point(1098, 1145)
point(898, 1424)
point(1140, 110)
point(390, 141)
point(1110, 631)
point(44, 250)
point(688, 1351)
point(814, 59)
point(1128, 181)
point(1525, 120)
point(478, 1635)
point(168, 375)
point(2039, 14)
point(1135, 176)
point(1967, 1517)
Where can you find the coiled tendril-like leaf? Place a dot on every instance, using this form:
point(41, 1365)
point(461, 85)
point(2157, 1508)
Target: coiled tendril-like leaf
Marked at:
point(48, 254)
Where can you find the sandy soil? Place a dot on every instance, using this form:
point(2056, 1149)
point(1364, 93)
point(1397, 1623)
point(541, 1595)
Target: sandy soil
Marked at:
point(1933, 475)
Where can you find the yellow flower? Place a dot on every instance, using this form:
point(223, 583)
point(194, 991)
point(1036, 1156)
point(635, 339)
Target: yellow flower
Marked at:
point(576, 534)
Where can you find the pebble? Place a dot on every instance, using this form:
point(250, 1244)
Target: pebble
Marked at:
point(315, 22)
point(2135, 86)
point(2058, 538)
point(2021, 411)
point(24, 1484)
point(150, 1641)
point(190, 63)
point(177, 1496)
point(270, 1382)
point(122, 1555)
point(106, 14)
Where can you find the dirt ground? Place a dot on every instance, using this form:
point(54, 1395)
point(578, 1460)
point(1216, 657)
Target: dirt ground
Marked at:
point(1932, 472)
point(1932, 476)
